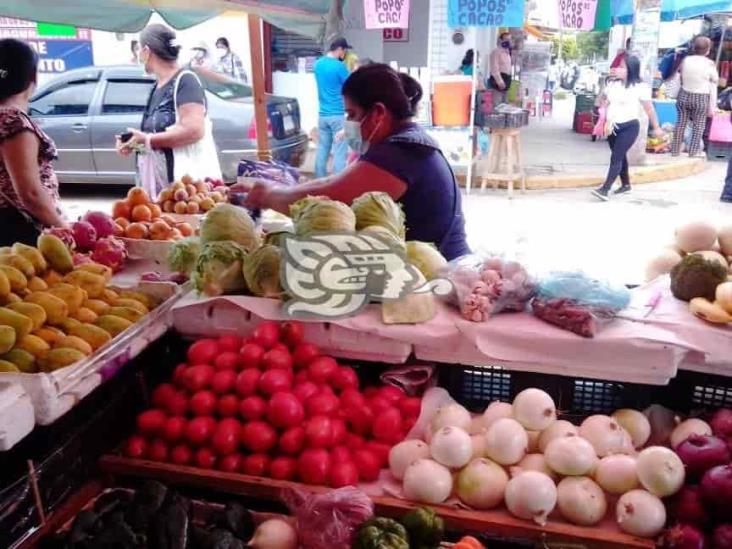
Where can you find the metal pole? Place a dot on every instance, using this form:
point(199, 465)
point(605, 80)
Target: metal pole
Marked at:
point(260, 98)
point(471, 127)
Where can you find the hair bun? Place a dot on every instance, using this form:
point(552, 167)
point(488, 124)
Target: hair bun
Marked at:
point(412, 89)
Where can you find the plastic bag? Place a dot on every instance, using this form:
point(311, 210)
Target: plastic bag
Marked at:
point(329, 519)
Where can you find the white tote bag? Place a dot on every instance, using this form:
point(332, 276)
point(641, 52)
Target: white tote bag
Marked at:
point(198, 160)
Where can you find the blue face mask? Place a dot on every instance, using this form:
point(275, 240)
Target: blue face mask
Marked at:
point(506, 44)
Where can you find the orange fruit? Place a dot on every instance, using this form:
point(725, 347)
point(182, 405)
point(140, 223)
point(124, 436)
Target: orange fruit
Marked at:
point(118, 230)
point(141, 213)
point(207, 203)
point(155, 210)
point(186, 180)
point(185, 229)
point(180, 208)
point(138, 196)
point(217, 196)
point(168, 206)
point(169, 219)
point(193, 208)
point(121, 209)
point(175, 234)
point(191, 190)
point(164, 195)
point(122, 222)
point(136, 230)
point(159, 230)
point(200, 186)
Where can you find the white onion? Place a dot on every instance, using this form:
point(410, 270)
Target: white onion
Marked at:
point(478, 444)
point(640, 513)
point(534, 409)
point(581, 501)
point(482, 484)
point(533, 462)
point(531, 495)
point(617, 474)
point(427, 481)
point(560, 428)
point(571, 456)
point(274, 534)
point(452, 447)
point(404, 454)
point(506, 441)
point(533, 446)
point(606, 436)
point(687, 428)
point(496, 410)
point(660, 471)
point(636, 424)
point(452, 415)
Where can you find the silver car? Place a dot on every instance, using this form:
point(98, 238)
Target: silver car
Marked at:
point(83, 110)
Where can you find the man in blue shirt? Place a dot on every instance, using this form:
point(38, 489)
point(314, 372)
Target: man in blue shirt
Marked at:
point(330, 74)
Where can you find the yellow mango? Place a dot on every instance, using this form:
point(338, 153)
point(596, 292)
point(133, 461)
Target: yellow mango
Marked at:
point(60, 358)
point(37, 284)
point(69, 324)
point(34, 345)
point(96, 305)
point(113, 325)
point(72, 295)
point(8, 367)
point(18, 280)
point(7, 338)
point(74, 342)
point(4, 285)
point(20, 323)
point(31, 254)
point(56, 309)
point(13, 298)
point(49, 334)
point(128, 313)
point(109, 296)
point(85, 315)
point(145, 299)
point(55, 253)
point(51, 277)
point(132, 304)
point(25, 361)
point(96, 268)
point(93, 284)
point(32, 310)
point(93, 335)
point(19, 262)
point(5, 250)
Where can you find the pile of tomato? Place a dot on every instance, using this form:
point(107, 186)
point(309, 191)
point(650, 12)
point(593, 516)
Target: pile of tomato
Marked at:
point(273, 405)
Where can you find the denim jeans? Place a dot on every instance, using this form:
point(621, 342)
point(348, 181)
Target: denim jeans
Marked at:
point(727, 191)
point(328, 127)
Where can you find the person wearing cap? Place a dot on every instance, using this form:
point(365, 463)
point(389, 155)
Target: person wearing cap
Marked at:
point(330, 74)
point(201, 57)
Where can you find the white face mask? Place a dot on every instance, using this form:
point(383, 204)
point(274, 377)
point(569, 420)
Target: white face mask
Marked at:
point(222, 51)
point(352, 130)
point(199, 54)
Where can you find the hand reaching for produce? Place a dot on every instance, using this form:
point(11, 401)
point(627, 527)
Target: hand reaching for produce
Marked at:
point(136, 143)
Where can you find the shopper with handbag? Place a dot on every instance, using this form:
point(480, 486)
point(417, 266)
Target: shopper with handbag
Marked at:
point(29, 199)
point(176, 137)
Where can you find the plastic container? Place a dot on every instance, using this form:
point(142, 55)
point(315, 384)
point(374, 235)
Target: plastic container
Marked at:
point(451, 102)
point(16, 415)
point(665, 111)
point(583, 123)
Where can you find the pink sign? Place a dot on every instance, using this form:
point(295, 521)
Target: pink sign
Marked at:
point(386, 14)
point(577, 14)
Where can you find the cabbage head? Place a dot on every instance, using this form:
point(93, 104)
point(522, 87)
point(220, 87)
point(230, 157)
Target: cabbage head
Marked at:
point(276, 238)
point(384, 234)
point(219, 269)
point(376, 208)
point(262, 271)
point(426, 257)
point(318, 214)
point(228, 222)
point(183, 254)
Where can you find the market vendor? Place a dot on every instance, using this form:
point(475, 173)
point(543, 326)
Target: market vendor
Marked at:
point(397, 157)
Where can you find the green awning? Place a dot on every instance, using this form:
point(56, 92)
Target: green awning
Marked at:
point(603, 15)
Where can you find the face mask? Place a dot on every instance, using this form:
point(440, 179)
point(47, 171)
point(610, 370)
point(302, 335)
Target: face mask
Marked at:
point(199, 55)
point(222, 51)
point(352, 131)
point(506, 44)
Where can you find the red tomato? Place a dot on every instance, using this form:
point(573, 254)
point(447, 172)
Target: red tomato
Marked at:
point(158, 451)
point(277, 359)
point(229, 343)
point(266, 334)
point(380, 450)
point(354, 442)
point(360, 418)
point(370, 392)
point(162, 395)
point(339, 431)
point(181, 455)
point(292, 333)
point(304, 354)
point(274, 381)
point(197, 378)
point(247, 381)
point(203, 351)
point(251, 355)
point(230, 463)
point(387, 426)
point(280, 347)
point(203, 403)
point(178, 404)
point(340, 454)
point(285, 410)
point(392, 394)
point(322, 369)
point(177, 376)
point(367, 463)
point(344, 378)
point(319, 432)
point(225, 439)
point(223, 382)
point(205, 458)
point(136, 447)
point(351, 397)
point(258, 437)
point(256, 465)
point(313, 466)
point(199, 430)
point(380, 404)
point(343, 473)
point(151, 422)
point(227, 406)
point(283, 468)
point(292, 441)
point(252, 408)
point(321, 404)
point(174, 429)
point(228, 360)
point(304, 390)
point(410, 406)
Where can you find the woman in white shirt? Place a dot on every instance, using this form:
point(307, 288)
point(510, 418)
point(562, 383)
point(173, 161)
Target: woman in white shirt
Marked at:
point(698, 77)
point(624, 97)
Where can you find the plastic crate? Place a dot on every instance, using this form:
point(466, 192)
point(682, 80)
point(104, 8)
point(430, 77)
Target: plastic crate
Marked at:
point(719, 151)
point(691, 392)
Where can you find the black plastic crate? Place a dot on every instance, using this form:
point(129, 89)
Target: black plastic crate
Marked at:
point(719, 151)
point(693, 392)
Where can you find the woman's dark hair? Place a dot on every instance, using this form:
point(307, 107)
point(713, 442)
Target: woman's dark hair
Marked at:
point(379, 83)
point(133, 45)
point(160, 39)
point(224, 42)
point(633, 64)
point(468, 59)
point(18, 67)
point(701, 45)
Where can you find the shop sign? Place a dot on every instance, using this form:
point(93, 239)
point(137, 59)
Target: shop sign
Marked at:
point(577, 14)
point(384, 14)
point(485, 13)
point(396, 35)
point(57, 56)
point(28, 30)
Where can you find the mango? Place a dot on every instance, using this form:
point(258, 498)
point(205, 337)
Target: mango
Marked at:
point(109, 296)
point(113, 325)
point(97, 269)
point(49, 334)
point(74, 342)
point(69, 324)
point(85, 315)
point(34, 345)
point(93, 284)
point(19, 262)
point(4, 285)
point(8, 367)
point(24, 361)
point(31, 254)
point(20, 323)
point(18, 280)
point(52, 277)
point(5, 250)
point(145, 299)
point(93, 335)
point(55, 252)
point(128, 313)
point(32, 310)
point(56, 309)
point(72, 295)
point(132, 304)
point(60, 358)
point(96, 305)
point(7, 338)
point(37, 284)
point(13, 298)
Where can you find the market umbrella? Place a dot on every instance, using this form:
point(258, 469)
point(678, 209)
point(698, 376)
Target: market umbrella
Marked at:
point(603, 16)
point(623, 11)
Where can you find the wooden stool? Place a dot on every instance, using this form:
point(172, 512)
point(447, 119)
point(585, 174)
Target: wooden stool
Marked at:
point(504, 161)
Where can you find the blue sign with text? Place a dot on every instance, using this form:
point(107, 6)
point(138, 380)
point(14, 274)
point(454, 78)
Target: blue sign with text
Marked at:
point(485, 13)
point(57, 56)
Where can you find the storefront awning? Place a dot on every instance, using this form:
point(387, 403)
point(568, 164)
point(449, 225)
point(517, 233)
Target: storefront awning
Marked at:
point(671, 10)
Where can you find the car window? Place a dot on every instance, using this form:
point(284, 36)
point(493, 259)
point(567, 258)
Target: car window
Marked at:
point(223, 86)
point(126, 96)
point(73, 99)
